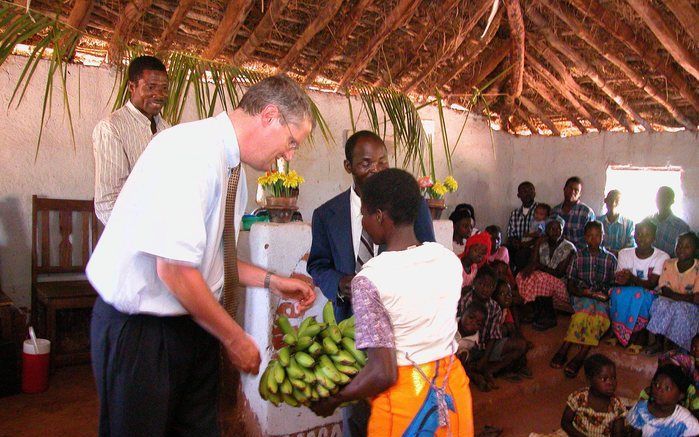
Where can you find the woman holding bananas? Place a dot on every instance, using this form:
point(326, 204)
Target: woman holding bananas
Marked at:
point(404, 302)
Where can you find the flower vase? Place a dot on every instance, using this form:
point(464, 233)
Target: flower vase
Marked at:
point(436, 207)
point(281, 209)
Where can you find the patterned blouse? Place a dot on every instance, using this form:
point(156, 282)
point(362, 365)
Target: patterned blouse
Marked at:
point(594, 271)
point(686, 282)
point(590, 422)
point(560, 253)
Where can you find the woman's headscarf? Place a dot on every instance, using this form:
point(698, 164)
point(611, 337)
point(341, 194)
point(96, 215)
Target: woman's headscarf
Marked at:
point(556, 218)
point(479, 238)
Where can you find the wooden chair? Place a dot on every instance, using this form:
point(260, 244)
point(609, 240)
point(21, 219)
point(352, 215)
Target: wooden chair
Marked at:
point(64, 234)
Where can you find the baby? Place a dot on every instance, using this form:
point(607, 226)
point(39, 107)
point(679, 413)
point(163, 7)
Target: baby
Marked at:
point(538, 223)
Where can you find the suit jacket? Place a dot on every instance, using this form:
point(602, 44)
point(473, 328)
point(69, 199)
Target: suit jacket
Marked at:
point(332, 250)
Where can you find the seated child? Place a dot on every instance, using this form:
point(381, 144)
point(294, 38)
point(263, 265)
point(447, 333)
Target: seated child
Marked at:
point(688, 363)
point(662, 415)
point(674, 317)
point(470, 323)
point(494, 352)
point(511, 329)
point(595, 410)
point(537, 227)
point(589, 277)
point(476, 250)
point(497, 250)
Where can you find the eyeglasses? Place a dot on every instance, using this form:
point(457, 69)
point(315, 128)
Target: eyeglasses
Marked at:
point(293, 144)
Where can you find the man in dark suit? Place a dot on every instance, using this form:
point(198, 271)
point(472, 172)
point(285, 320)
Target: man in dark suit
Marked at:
point(339, 246)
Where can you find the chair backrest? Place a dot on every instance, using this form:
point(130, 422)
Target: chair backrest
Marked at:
point(64, 234)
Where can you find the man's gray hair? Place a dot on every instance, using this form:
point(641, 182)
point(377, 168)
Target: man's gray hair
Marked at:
point(282, 92)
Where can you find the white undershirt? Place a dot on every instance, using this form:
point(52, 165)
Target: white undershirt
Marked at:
point(356, 215)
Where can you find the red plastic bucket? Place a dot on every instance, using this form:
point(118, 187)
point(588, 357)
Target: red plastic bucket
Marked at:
point(35, 366)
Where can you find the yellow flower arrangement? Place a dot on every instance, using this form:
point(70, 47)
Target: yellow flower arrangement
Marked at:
point(278, 184)
point(437, 189)
point(451, 184)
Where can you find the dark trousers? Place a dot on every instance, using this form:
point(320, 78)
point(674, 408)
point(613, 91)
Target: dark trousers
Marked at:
point(355, 419)
point(156, 376)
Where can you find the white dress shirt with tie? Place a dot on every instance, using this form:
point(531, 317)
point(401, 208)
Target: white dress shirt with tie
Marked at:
point(172, 206)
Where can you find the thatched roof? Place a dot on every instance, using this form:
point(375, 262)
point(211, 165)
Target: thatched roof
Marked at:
point(555, 65)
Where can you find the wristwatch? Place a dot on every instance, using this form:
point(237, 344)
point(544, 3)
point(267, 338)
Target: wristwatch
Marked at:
point(268, 279)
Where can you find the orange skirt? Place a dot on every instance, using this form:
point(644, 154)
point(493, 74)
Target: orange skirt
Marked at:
point(405, 407)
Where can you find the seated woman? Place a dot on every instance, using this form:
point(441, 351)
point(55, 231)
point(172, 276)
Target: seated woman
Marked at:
point(463, 227)
point(405, 301)
point(475, 253)
point(543, 280)
point(590, 275)
point(637, 274)
point(675, 315)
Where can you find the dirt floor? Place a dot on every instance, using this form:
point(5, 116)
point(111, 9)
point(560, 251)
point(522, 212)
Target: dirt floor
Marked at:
point(69, 407)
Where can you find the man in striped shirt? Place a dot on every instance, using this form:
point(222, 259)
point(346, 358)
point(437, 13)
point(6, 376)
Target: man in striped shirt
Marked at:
point(120, 138)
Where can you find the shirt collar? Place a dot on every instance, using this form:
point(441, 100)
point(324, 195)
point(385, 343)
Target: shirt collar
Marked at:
point(140, 117)
point(606, 219)
point(355, 201)
point(230, 139)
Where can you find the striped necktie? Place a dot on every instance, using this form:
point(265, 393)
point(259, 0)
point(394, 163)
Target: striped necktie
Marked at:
point(230, 297)
point(366, 250)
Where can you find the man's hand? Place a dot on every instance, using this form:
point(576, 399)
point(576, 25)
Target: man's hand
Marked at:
point(295, 289)
point(324, 407)
point(345, 286)
point(243, 354)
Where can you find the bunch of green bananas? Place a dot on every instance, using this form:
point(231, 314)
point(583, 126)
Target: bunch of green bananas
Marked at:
point(318, 359)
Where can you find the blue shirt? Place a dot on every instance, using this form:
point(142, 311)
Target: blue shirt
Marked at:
point(618, 234)
point(576, 220)
point(668, 231)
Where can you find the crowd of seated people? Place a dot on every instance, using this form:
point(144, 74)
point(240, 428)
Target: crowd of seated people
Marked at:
point(625, 284)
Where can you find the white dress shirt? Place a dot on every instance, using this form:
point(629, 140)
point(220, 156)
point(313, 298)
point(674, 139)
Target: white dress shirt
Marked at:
point(356, 214)
point(118, 141)
point(172, 206)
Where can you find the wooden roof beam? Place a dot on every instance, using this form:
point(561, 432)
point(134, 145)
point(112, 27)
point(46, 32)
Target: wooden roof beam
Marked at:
point(532, 108)
point(78, 18)
point(325, 15)
point(524, 117)
point(543, 91)
point(612, 23)
point(338, 44)
point(491, 60)
point(275, 9)
point(471, 51)
point(452, 46)
point(585, 68)
point(569, 89)
point(400, 15)
point(133, 12)
point(168, 35)
point(396, 70)
point(607, 52)
point(666, 36)
point(686, 15)
point(517, 36)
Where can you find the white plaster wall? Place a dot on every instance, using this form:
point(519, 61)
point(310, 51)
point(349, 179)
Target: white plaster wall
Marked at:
point(488, 170)
point(548, 162)
point(66, 172)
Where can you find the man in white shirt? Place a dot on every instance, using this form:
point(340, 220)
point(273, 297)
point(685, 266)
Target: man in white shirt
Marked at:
point(159, 266)
point(119, 139)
